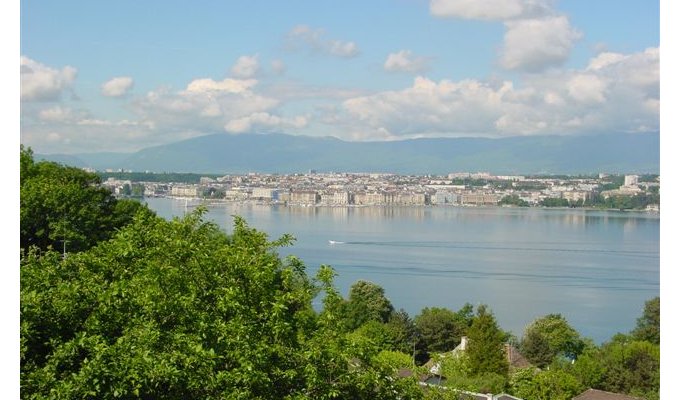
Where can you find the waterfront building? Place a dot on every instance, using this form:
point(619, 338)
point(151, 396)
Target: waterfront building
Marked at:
point(261, 193)
point(576, 195)
point(480, 199)
point(304, 197)
point(185, 191)
point(444, 197)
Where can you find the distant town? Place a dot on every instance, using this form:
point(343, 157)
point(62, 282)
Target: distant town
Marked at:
point(384, 189)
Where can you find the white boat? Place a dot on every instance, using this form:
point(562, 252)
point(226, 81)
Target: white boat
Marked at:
point(334, 242)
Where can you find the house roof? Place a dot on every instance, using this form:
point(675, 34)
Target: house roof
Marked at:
point(515, 358)
point(594, 394)
point(504, 396)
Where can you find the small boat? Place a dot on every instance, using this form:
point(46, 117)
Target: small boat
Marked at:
point(334, 242)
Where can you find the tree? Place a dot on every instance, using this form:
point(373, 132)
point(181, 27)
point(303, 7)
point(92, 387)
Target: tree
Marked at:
point(485, 351)
point(648, 326)
point(403, 332)
point(555, 384)
point(366, 302)
point(178, 309)
point(66, 208)
point(441, 329)
point(630, 366)
point(550, 336)
point(513, 200)
point(536, 349)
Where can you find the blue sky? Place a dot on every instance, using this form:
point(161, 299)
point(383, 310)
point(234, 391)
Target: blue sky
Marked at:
point(121, 76)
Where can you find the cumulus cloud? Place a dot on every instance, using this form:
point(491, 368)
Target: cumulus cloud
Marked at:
point(536, 35)
point(587, 88)
point(303, 36)
point(490, 10)
point(535, 44)
point(621, 95)
point(42, 83)
point(245, 67)
point(117, 87)
point(604, 59)
point(227, 85)
point(405, 61)
point(206, 105)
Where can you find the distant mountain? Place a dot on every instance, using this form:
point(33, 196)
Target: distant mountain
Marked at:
point(280, 153)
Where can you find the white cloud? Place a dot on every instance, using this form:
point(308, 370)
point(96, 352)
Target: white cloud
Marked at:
point(117, 87)
point(587, 88)
point(535, 44)
point(429, 107)
point(498, 10)
point(263, 120)
point(536, 35)
point(621, 96)
point(56, 114)
point(343, 49)
point(227, 85)
point(404, 61)
point(605, 59)
point(303, 36)
point(245, 67)
point(42, 83)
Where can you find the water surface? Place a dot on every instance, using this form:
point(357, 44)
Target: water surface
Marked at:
point(597, 268)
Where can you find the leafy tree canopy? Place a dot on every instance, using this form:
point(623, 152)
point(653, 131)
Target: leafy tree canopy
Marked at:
point(648, 326)
point(66, 208)
point(485, 351)
point(367, 302)
point(549, 336)
point(178, 310)
point(441, 329)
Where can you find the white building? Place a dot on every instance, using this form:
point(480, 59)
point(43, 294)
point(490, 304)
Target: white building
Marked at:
point(630, 180)
point(260, 193)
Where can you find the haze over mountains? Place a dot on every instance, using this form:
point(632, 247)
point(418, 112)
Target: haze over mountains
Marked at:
point(282, 153)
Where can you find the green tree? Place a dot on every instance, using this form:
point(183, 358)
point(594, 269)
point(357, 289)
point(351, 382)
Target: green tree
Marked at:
point(64, 207)
point(550, 336)
point(485, 351)
point(403, 332)
point(554, 202)
point(177, 310)
point(438, 329)
point(555, 384)
point(513, 200)
point(366, 302)
point(631, 367)
point(648, 326)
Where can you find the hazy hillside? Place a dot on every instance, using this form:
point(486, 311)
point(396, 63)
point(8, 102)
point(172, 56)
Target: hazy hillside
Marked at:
point(221, 153)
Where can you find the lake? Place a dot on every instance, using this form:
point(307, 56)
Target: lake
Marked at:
point(596, 268)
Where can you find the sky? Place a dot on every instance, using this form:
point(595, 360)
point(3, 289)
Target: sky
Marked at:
point(125, 75)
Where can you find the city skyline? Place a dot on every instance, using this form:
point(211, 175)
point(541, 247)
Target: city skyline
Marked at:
point(99, 79)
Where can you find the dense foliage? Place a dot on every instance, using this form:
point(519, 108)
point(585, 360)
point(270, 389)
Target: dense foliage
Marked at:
point(513, 200)
point(181, 310)
point(485, 350)
point(441, 329)
point(66, 208)
point(549, 337)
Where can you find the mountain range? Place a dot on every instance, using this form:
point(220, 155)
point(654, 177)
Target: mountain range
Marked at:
point(282, 153)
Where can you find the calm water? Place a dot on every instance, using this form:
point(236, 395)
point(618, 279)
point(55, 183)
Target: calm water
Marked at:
point(596, 268)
